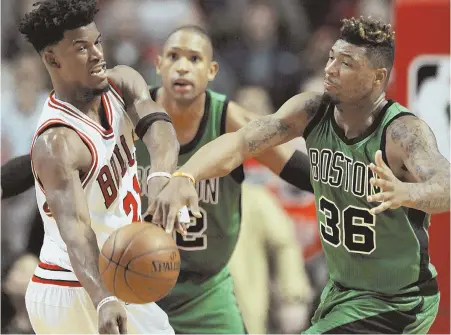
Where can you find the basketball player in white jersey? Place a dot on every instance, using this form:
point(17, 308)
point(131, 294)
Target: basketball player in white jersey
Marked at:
point(85, 169)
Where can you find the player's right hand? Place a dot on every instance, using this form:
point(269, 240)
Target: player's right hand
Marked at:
point(112, 318)
point(178, 192)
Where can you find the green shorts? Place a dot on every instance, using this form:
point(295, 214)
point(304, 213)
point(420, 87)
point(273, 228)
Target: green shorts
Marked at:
point(207, 308)
point(350, 311)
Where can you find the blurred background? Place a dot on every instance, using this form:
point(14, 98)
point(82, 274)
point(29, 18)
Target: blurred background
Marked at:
point(268, 51)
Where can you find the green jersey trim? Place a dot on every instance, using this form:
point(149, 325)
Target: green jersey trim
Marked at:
point(384, 135)
point(371, 129)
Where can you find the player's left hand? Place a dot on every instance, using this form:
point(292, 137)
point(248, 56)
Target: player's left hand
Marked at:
point(393, 191)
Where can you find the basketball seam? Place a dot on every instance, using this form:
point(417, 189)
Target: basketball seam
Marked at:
point(120, 257)
point(109, 260)
point(149, 253)
point(126, 283)
point(138, 273)
point(126, 268)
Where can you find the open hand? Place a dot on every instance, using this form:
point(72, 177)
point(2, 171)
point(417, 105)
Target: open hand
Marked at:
point(393, 192)
point(164, 209)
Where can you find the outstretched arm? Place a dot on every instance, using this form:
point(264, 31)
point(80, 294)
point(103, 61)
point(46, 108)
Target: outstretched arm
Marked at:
point(411, 139)
point(291, 165)
point(223, 155)
point(153, 125)
point(159, 138)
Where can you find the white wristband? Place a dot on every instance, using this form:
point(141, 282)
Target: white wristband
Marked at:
point(105, 301)
point(159, 174)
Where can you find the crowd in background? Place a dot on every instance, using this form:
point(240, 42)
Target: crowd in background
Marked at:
point(267, 51)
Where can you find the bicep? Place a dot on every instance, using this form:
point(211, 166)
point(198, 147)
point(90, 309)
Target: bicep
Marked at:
point(417, 145)
point(274, 158)
point(57, 166)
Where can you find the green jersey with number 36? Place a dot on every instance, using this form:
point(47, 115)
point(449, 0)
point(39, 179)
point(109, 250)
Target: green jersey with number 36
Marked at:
point(385, 253)
point(210, 241)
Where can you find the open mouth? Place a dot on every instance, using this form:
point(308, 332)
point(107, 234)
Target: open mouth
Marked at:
point(99, 70)
point(182, 85)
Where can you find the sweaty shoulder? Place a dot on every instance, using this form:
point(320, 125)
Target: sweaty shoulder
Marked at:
point(130, 83)
point(60, 150)
point(120, 73)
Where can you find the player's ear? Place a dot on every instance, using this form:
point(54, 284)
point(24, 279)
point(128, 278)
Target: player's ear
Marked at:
point(158, 64)
point(381, 76)
point(50, 59)
point(213, 70)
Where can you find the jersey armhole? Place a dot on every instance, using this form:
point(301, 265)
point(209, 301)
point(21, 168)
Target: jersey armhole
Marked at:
point(384, 135)
point(52, 123)
point(320, 114)
point(117, 92)
point(237, 174)
point(153, 92)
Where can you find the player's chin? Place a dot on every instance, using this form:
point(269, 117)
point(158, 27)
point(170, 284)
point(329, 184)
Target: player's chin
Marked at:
point(332, 97)
point(97, 89)
point(184, 98)
point(101, 85)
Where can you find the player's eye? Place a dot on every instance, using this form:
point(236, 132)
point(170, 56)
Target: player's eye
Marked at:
point(98, 42)
point(82, 48)
point(172, 55)
point(346, 64)
point(194, 59)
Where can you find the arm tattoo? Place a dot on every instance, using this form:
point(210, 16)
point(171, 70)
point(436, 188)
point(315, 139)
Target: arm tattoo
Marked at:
point(312, 106)
point(419, 146)
point(271, 131)
point(425, 163)
point(266, 131)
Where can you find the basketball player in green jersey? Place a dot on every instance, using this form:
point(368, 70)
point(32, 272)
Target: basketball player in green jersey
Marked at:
point(202, 301)
point(377, 175)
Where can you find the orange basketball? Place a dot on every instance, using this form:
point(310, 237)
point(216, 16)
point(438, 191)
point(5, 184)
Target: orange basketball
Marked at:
point(139, 263)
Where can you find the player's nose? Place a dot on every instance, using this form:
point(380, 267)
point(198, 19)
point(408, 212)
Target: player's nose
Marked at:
point(182, 65)
point(96, 53)
point(331, 69)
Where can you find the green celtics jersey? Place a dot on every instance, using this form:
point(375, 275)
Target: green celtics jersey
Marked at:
point(385, 253)
point(210, 241)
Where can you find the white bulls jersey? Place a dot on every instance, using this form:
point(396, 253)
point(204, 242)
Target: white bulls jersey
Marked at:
point(111, 185)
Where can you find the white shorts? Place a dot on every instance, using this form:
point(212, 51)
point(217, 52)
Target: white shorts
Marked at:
point(57, 309)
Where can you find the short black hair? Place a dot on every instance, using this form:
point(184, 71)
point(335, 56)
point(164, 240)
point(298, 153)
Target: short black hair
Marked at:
point(46, 24)
point(197, 29)
point(376, 37)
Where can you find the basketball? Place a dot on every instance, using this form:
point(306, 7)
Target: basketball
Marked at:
point(139, 263)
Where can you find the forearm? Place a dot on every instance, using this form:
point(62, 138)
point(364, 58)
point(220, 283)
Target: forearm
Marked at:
point(161, 142)
point(217, 158)
point(432, 196)
point(17, 176)
point(84, 257)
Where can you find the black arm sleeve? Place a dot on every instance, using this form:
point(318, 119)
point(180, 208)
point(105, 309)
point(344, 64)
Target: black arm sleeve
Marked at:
point(297, 171)
point(17, 176)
